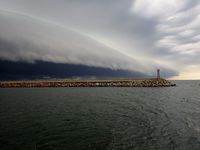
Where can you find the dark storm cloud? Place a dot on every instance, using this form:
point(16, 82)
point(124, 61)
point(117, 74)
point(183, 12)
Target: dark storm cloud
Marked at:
point(49, 70)
point(138, 35)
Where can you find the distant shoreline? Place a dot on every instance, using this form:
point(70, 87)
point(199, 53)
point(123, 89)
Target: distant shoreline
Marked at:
point(89, 83)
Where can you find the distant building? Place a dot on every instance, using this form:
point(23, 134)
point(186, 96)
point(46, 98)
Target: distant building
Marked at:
point(158, 73)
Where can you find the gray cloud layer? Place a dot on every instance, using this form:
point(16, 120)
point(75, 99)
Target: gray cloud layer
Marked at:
point(29, 39)
point(116, 34)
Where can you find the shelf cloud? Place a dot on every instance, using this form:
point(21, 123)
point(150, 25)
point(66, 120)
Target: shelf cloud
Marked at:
point(104, 33)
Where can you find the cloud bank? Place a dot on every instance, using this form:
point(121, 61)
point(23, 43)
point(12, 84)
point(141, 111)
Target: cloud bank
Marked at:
point(107, 33)
point(24, 38)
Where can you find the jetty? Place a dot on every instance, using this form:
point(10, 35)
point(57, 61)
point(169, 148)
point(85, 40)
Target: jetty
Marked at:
point(89, 83)
point(149, 82)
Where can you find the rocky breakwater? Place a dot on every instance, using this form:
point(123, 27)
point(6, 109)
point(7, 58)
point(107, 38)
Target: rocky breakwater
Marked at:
point(90, 83)
point(157, 83)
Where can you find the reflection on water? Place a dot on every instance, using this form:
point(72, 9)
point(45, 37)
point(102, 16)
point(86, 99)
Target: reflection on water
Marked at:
point(101, 118)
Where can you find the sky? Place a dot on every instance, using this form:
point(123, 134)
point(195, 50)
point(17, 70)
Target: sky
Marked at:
point(128, 35)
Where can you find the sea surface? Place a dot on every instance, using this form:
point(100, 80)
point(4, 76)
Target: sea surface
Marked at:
point(110, 118)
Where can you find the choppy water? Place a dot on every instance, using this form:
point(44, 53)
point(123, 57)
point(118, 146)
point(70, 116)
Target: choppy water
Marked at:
point(101, 118)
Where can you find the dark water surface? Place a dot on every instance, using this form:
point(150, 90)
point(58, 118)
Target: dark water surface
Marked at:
point(101, 118)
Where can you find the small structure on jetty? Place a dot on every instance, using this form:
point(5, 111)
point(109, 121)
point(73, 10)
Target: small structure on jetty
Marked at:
point(158, 74)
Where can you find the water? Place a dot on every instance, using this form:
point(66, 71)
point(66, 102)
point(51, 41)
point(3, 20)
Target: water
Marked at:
point(101, 118)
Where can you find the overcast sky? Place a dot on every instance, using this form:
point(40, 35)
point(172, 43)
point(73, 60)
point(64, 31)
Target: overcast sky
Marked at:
point(137, 35)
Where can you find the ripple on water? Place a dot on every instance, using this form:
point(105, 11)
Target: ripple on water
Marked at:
point(101, 118)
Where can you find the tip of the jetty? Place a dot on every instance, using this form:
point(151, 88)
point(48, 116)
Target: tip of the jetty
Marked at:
point(163, 82)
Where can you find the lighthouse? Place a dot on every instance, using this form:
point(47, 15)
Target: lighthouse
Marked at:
point(158, 74)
